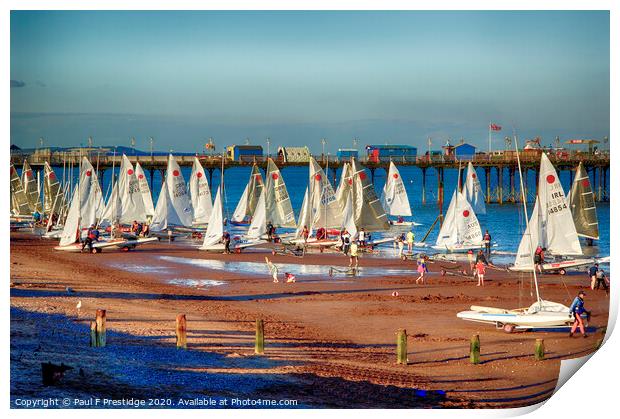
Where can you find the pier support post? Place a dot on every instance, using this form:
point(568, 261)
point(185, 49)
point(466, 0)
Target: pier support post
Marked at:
point(539, 350)
point(524, 185)
point(440, 193)
point(605, 191)
point(372, 174)
point(474, 350)
point(401, 347)
point(512, 184)
point(424, 186)
point(487, 175)
point(210, 176)
point(500, 185)
point(162, 172)
point(536, 178)
point(259, 345)
point(152, 176)
point(570, 176)
point(599, 196)
point(181, 331)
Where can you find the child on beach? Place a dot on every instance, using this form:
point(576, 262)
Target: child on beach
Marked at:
point(421, 270)
point(353, 257)
point(480, 269)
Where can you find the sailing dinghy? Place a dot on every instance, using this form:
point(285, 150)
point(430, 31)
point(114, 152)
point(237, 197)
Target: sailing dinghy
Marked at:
point(394, 198)
point(542, 313)
point(473, 191)
point(174, 207)
point(249, 199)
point(200, 194)
point(582, 205)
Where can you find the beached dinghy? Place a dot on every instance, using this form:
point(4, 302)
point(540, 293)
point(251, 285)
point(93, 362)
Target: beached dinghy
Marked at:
point(540, 314)
point(215, 230)
point(551, 226)
point(146, 191)
point(543, 314)
point(460, 230)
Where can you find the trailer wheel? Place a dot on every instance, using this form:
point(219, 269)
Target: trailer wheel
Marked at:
point(562, 271)
point(509, 328)
point(125, 249)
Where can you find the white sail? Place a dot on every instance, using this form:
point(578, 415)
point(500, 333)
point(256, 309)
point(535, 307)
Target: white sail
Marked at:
point(70, 230)
point(530, 241)
point(348, 219)
point(367, 210)
point(30, 187)
point(173, 206)
point(145, 190)
point(326, 210)
point(91, 196)
point(19, 200)
point(460, 225)
point(130, 195)
point(52, 191)
point(200, 193)
point(215, 229)
point(126, 203)
point(258, 227)
point(473, 191)
point(163, 212)
point(559, 233)
point(305, 214)
point(242, 207)
point(277, 201)
point(247, 204)
point(345, 185)
point(394, 196)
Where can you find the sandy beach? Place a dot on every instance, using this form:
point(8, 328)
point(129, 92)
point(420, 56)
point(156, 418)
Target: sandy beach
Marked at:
point(330, 341)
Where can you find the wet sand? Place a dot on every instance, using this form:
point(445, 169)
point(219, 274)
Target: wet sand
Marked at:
point(330, 341)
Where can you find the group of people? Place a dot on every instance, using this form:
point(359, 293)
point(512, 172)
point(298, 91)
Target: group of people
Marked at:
point(477, 265)
point(409, 239)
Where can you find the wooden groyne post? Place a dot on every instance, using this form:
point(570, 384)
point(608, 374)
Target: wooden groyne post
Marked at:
point(474, 350)
point(181, 331)
point(259, 345)
point(97, 330)
point(401, 347)
point(539, 350)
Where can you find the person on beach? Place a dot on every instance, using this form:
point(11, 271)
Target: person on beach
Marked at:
point(470, 259)
point(135, 228)
point(353, 258)
point(539, 258)
point(410, 240)
point(592, 273)
point(421, 270)
point(270, 231)
point(226, 240)
point(362, 238)
point(92, 236)
point(145, 230)
point(601, 280)
point(400, 242)
point(577, 309)
point(321, 234)
point(487, 242)
point(273, 270)
point(480, 270)
point(481, 258)
point(346, 242)
point(305, 234)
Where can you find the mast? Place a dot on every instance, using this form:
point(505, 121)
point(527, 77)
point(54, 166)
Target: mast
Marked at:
point(527, 222)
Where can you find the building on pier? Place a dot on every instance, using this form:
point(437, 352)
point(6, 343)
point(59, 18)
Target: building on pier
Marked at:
point(397, 153)
point(244, 152)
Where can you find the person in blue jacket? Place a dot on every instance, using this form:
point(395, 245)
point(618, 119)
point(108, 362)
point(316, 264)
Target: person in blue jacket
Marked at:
point(577, 309)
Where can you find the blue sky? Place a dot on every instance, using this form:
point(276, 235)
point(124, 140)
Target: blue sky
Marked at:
point(296, 77)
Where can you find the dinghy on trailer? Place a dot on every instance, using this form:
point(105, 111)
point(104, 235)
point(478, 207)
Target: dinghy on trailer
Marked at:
point(146, 191)
point(460, 231)
point(541, 314)
point(215, 229)
point(126, 203)
point(174, 207)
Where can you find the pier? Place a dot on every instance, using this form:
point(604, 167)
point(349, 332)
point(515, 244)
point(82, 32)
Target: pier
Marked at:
point(496, 163)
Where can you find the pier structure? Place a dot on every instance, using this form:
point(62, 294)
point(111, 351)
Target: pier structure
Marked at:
point(494, 163)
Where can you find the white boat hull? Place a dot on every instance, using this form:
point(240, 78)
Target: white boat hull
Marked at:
point(519, 320)
point(118, 243)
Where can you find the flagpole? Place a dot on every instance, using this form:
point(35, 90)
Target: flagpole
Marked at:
point(489, 150)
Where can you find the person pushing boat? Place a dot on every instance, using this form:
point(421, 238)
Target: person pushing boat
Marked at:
point(92, 236)
point(577, 309)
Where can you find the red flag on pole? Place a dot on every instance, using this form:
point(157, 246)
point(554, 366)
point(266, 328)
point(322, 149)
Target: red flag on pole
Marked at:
point(494, 127)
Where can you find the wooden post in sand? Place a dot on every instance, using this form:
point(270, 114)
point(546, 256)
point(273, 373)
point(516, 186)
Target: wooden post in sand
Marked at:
point(93, 333)
point(100, 328)
point(474, 349)
point(539, 350)
point(181, 331)
point(401, 347)
point(259, 346)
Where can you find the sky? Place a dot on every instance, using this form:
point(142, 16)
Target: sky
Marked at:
point(296, 77)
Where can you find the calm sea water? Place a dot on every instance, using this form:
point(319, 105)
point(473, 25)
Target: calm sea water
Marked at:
point(505, 222)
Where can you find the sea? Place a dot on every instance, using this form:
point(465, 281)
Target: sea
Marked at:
point(504, 222)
